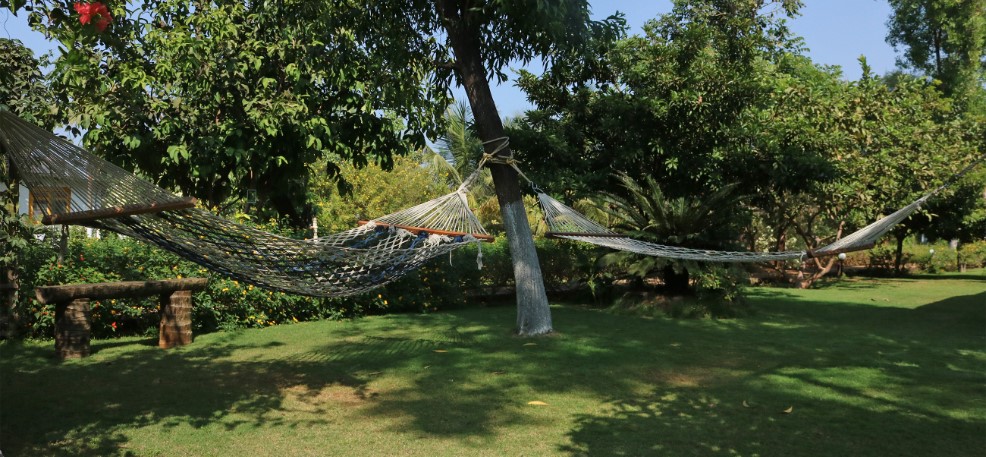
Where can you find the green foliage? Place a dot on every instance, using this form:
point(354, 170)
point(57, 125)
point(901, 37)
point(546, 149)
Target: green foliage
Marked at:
point(643, 211)
point(918, 257)
point(972, 255)
point(946, 259)
point(666, 105)
point(707, 97)
point(373, 192)
point(945, 39)
point(15, 230)
point(225, 304)
point(22, 90)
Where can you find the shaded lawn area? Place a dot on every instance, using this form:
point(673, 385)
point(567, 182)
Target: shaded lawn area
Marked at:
point(861, 367)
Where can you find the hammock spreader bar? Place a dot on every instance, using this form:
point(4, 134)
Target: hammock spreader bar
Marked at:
point(83, 217)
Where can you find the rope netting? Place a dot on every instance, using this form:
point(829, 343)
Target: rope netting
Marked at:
point(340, 264)
point(565, 222)
point(66, 181)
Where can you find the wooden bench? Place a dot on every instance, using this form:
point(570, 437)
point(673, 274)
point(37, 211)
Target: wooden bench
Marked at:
point(72, 324)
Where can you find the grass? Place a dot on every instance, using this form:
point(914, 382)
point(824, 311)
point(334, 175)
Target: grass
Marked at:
point(859, 367)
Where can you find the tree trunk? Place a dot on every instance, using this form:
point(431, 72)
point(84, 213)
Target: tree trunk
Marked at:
point(899, 258)
point(822, 269)
point(9, 280)
point(63, 245)
point(675, 282)
point(533, 313)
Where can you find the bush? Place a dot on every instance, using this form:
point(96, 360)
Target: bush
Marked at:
point(884, 255)
point(942, 259)
point(972, 255)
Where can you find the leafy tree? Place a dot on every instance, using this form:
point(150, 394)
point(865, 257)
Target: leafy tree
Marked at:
point(945, 39)
point(355, 79)
point(713, 94)
point(374, 192)
point(458, 145)
point(910, 141)
point(22, 91)
point(668, 103)
point(481, 37)
point(22, 87)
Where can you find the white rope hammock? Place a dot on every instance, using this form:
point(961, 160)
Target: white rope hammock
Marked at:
point(70, 185)
point(565, 222)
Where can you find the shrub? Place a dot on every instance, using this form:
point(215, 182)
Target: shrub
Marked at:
point(972, 255)
point(884, 255)
point(942, 259)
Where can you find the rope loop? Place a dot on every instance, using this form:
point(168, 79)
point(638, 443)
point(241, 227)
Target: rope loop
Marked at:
point(505, 141)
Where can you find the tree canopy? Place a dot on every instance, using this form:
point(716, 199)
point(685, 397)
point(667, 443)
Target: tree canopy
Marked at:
point(945, 39)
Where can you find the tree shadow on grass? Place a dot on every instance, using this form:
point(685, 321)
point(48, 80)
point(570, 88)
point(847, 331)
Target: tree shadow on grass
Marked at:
point(87, 407)
point(83, 407)
point(731, 420)
point(669, 387)
point(843, 380)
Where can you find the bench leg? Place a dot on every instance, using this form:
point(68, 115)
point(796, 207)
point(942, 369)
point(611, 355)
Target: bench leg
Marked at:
point(176, 319)
point(72, 329)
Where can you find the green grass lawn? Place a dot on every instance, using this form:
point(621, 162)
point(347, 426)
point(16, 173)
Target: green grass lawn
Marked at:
point(862, 367)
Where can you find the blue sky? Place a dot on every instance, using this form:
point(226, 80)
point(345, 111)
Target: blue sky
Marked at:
point(836, 32)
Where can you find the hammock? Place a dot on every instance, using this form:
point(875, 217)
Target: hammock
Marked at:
point(564, 222)
point(71, 186)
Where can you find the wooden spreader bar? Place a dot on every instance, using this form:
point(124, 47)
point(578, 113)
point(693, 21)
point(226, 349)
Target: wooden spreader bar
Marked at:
point(599, 235)
point(414, 229)
point(72, 325)
point(117, 211)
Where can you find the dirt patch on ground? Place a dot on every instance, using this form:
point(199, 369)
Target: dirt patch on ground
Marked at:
point(331, 394)
point(695, 377)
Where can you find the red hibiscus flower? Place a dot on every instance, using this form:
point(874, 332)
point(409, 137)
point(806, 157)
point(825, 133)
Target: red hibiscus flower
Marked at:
point(95, 13)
